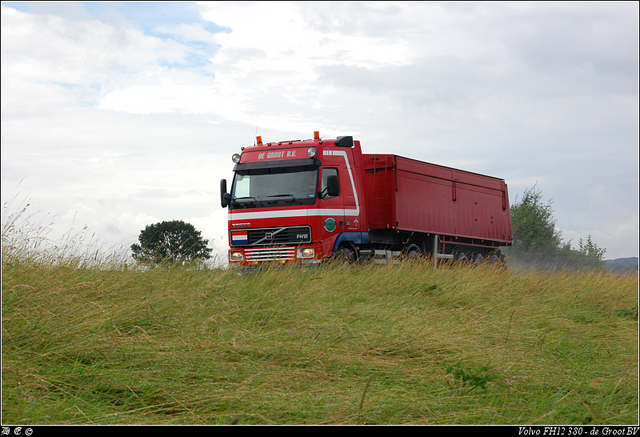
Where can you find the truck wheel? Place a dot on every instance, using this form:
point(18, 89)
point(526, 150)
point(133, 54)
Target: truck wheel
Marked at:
point(479, 258)
point(345, 254)
point(413, 253)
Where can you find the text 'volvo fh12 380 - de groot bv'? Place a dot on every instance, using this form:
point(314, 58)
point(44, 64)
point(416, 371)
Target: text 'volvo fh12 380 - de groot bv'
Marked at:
point(303, 202)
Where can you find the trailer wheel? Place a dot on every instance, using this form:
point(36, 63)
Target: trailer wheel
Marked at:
point(497, 258)
point(461, 257)
point(479, 258)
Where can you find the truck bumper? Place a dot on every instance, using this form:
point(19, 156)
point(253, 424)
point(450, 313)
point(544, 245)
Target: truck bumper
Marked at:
point(275, 256)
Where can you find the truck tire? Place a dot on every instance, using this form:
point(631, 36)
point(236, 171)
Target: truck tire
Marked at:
point(461, 257)
point(346, 254)
point(413, 253)
point(497, 258)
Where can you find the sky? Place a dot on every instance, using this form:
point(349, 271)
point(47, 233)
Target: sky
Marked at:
point(120, 115)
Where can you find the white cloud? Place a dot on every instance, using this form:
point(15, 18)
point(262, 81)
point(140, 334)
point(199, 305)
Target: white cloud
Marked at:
point(80, 52)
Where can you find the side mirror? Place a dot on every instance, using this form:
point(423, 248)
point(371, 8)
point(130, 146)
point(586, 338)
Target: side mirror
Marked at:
point(225, 198)
point(333, 186)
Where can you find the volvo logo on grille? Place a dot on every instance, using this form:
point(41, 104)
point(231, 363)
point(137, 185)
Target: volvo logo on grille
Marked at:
point(279, 236)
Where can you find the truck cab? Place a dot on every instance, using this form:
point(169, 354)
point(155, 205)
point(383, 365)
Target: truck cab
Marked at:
point(295, 202)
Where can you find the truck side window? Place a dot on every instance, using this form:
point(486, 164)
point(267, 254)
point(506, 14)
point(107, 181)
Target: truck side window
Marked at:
point(326, 172)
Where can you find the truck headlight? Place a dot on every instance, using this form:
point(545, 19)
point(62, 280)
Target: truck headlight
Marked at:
point(235, 256)
point(307, 252)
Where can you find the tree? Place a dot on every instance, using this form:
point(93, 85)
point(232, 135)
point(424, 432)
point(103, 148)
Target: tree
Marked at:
point(534, 228)
point(174, 241)
point(588, 254)
point(537, 240)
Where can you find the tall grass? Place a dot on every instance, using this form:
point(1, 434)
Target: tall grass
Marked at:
point(95, 342)
point(26, 237)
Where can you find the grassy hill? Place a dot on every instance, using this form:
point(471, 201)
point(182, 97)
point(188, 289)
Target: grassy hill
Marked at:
point(105, 343)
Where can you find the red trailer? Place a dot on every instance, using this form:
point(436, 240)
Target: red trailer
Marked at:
point(303, 201)
point(431, 207)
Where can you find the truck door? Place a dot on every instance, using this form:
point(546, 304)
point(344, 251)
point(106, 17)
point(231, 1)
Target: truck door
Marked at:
point(333, 205)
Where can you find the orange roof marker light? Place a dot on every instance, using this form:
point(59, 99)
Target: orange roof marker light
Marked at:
point(259, 140)
point(316, 136)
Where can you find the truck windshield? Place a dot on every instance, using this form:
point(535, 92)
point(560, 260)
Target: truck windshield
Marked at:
point(272, 186)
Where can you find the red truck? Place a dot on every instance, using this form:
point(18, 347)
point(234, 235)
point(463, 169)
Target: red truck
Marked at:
point(306, 201)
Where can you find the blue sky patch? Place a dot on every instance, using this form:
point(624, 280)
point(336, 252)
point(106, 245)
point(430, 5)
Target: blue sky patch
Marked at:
point(153, 18)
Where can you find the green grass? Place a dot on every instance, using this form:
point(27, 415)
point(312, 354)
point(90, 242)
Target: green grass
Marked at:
point(103, 343)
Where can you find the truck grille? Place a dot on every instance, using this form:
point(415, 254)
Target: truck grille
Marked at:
point(272, 236)
point(276, 254)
